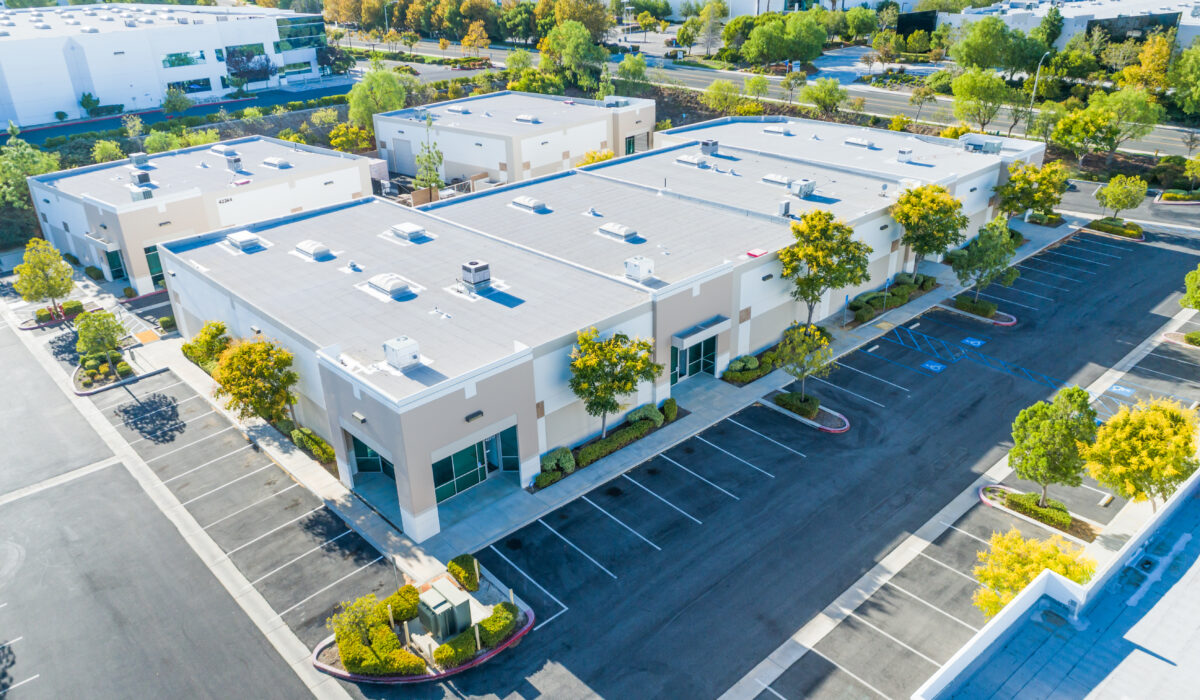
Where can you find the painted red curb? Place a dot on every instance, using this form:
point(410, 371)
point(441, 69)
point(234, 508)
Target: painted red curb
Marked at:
point(1013, 322)
point(51, 324)
point(977, 317)
point(428, 677)
point(836, 431)
point(1166, 338)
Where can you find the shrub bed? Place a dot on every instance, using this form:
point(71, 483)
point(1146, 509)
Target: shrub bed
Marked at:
point(72, 307)
point(43, 316)
point(385, 657)
point(798, 403)
point(313, 444)
point(1041, 219)
point(747, 368)
point(457, 650)
point(1181, 196)
point(403, 602)
point(868, 305)
point(1192, 338)
point(638, 423)
point(607, 445)
point(68, 256)
point(1054, 514)
point(499, 626)
point(167, 323)
point(462, 568)
point(964, 302)
point(1117, 227)
point(93, 272)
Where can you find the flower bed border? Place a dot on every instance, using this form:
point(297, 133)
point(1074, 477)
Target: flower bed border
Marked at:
point(1008, 320)
point(128, 380)
point(1185, 203)
point(770, 403)
point(1177, 338)
point(1053, 530)
point(425, 678)
point(1139, 239)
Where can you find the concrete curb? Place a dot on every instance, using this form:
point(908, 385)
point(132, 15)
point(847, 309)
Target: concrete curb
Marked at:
point(131, 380)
point(1158, 199)
point(1026, 518)
point(48, 324)
point(428, 677)
point(981, 319)
point(1094, 232)
point(770, 403)
point(1176, 338)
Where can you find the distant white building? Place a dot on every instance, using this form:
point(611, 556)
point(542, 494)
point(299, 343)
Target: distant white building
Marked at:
point(129, 55)
point(1121, 19)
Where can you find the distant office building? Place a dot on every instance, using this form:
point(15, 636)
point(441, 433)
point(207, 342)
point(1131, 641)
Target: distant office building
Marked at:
point(113, 215)
point(129, 55)
point(1120, 19)
point(507, 136)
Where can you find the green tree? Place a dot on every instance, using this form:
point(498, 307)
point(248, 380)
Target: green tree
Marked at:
point(208, 345)
point(1185, 78)
point(357, 619)
point(379, 91)
point(711, 23)
point(987, 257)
point(568, 50)
point(756, 86)
point(687, 33)
point(805, 35)
point(1031, 186)
point(533, 80)
point(932, 219)
point(429, 161)
point(160, 141)
point(605, 369)
point(982, 44)
point(1145, 452)
point(43, 274)
point(918, 41)
point(1046, 119)
point(349, 138)
point(1047, 439)
point(827, 94)
point(978, 96)
point(98, 331)
point(89, 102)
point(646, 21)
point(804, 352)
point(767, 43)
point(1137, 114)
point(517, 62)
point(791, 82)
point(1085, 130)
point(409, 39)
point(1191, 170)
point(104, 151)
point(1050, 28)
point(721, 96)
point(18, 161)
point(1191, 296)
point(921, 96)
point(175, 101)
point(476, 39)
point(1012, 562)
point(860, 21)
point(132, 124)
point(631, 73)
point(519, 22)
point(256, 378)
point(1123, 192)
point(825, 256)
point(592, 15)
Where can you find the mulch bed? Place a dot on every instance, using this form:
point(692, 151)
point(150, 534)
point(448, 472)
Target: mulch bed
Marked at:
point(916, 294)
point(1079, 528)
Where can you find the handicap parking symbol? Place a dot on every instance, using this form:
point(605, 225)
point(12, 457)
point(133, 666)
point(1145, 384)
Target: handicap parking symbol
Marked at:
point(1122, 390)
point(973, 342)
point(933, 366)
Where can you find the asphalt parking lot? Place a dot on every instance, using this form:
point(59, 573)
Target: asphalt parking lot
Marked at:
point(299, 555)
point(698, 563)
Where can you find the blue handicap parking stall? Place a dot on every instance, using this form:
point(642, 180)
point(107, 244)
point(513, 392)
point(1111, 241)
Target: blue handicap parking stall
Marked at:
point(1121, 390)
point(933, 366)
point(973, 342)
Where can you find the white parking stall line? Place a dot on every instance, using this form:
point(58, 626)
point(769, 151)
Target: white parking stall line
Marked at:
point(211, 461)
point(770, 689)
point(689, 471)
point(1059, 264)
point(1093, 252)
point(948, 567)
point(539, 587)
point(875, 627)
point(959, 529)
point(317, 593)
point(574, 546)
point(878, 379)
point(1012, 288)
point(242, 546)
point(178, 422)
point(929, 605)
point(157, 410)
point(1076, 257)
point(243, 509)
point(677, 508)
point(1008, 301)
point(1175, 359)
point(1172, 376)
point(1023, 266)
point(122, 400)
point(1093, 488)
point(10, 642)
point(707, 442)
point(835, 386)
point(1023, 278)
point(1092, 240)
point(18, 684)
point(852, 674)
point(3, 605)
point(244, 476)
point(768, 438)
point(276, 570)
point(618, 521)
point(193, 442)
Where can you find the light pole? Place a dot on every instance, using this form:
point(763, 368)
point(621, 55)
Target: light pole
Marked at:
point(387, 19)
point(1037, 76)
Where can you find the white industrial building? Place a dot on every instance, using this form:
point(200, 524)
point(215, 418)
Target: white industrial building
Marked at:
point(433, 343)
point(113, 215)
point(129, 55)
point(1121, 19)
point(508, 136)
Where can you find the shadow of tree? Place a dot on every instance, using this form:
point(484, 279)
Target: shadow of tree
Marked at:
point(324, 525)
point(7, 291)
point(62, 347)
point(7, 660)
point(155, 417)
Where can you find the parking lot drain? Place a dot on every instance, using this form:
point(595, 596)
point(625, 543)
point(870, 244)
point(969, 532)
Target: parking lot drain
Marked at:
point(614, 491)
point(513, 543)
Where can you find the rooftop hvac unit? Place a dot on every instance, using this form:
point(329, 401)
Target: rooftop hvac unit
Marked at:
point(402, 352)
point(904, 155)
point(183, 20)
point(778, 130)
point(243, 240)
point(140, 177)
point(408, 231)
point(476, 276)
point(458, 109)
point(526, 119)
point(314, 249)
point(3, 32)
point(233, 164)
point(620, 232)
point(277, 163)
point(692, 159)
point(41, 26)
point(390, 283)
point(130, 23)
point(803, 187)
point(72, 22)
point(785, 208)
point(89, 30)
point(708, 147)
point(138, 194)
point(224, 149)
point(859, 142)
point(776, 179)
point(614, 101)
point(639, 268)
point(529, 203)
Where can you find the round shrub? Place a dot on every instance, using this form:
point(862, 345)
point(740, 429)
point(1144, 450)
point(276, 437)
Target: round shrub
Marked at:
point(91, 364)
point(751, 362)
point(167, 323)
point(559, 459)
point(736, 365)
point(670, 408)
point(123, 369)
point(456, 651)
point(1193, 338)
point(86, 382)
point(864, 314)
point(403, 602)
point(544, 479)
point(103, 369)
point(130, 292)
point(498, 626)
point(462, 568)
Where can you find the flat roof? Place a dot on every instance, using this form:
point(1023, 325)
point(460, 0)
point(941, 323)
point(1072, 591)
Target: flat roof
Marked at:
point(73, 20)
point(537, 299)
point(1093, 9)
point(195, 168)
point(1137, 640)
point(682, 235)
point(497, 112)
point(825, 142)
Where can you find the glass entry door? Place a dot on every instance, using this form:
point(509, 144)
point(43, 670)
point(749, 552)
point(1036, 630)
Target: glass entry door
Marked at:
point(694, 359)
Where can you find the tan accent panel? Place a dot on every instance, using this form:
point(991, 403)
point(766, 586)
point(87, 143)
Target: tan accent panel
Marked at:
point(604, 145)
point(744, 315)
point(541, 409)
point(525, 165)
point(297, 210)
point(566, 155)
point(356, 195)
point(503, 167)
point(895, 245)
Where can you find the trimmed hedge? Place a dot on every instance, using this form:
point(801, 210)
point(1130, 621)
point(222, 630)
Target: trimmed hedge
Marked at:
point(385, 657)
point(670, 409)
point(1053, 220)
point(313, 444)
point(605, 446)
point(403, 602)
point(43, 315)
point(93, 272)
point(1054, 514)
point(123, 369)
point(558, 459)
point(1192, 338)
point(544, 479)
point(68, 256)
point(499, 626)
point(1117, 227)
point(167, 323)
point(798, 403)
point(1181, 196)
point(129, 292)
point(742, 370)
point(462, 568)
point(964, 302)
point(649, 412)
point(456, 651)
point(72, 307)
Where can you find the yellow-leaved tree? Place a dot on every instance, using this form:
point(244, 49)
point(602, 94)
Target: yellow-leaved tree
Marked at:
point(605, 369)
point(1145, 452)
point(1013, 562)
point(257, 379)
point(595, 157)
